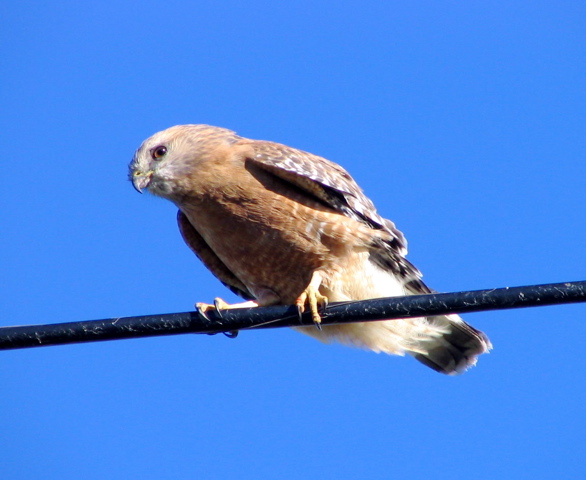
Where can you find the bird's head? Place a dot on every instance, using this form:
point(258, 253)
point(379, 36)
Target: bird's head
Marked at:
point(163, 162)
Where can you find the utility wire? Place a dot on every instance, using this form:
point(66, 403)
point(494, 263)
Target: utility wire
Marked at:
point(230, 321)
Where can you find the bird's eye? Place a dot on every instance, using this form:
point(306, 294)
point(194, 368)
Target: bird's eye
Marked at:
point(158, 152)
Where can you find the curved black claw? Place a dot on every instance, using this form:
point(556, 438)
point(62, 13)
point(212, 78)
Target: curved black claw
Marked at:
point(218, 303)
point(231, 334)
point(202, 313)
point(300, 312)
point(322, 310)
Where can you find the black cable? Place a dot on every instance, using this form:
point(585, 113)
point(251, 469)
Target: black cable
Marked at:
point(287, 316)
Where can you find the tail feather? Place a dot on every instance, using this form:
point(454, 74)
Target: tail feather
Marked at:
point(456, 350)
point(445, 343)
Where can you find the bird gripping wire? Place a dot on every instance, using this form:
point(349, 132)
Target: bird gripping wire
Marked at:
point(287, 316)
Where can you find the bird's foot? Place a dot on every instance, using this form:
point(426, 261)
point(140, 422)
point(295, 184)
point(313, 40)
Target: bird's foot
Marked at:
point(314, 299)
point(218, 306)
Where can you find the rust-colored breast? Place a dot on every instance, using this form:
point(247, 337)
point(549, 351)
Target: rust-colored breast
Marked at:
point(267, 232)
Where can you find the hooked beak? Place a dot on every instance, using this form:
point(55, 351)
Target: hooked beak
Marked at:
point(141, 180)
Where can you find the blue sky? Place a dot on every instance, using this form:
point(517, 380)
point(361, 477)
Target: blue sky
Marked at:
point(463, 121)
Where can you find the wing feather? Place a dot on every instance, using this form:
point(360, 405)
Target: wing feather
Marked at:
point(333, 185)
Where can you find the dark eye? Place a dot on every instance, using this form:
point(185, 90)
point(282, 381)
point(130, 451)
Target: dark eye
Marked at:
point(158, 152)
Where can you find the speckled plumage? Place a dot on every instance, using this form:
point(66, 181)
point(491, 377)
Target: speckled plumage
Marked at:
point(266, 219)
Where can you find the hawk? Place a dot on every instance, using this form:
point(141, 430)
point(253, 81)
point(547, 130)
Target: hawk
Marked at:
point(277, 225)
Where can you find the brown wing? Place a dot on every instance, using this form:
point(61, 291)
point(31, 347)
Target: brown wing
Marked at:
point(202, 250)
point(331, 184)
point(325, 180)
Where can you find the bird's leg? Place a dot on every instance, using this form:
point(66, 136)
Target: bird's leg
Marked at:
point(218, 306)
point(314, 299)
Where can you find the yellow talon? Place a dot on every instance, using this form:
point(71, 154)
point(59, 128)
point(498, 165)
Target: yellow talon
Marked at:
point(313, 298)
point(220, 305)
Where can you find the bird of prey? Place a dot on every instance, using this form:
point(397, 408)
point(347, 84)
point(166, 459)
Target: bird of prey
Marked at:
point(280, 226)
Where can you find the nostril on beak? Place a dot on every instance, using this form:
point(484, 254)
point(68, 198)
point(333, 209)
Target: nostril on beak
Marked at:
point(140, 180)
